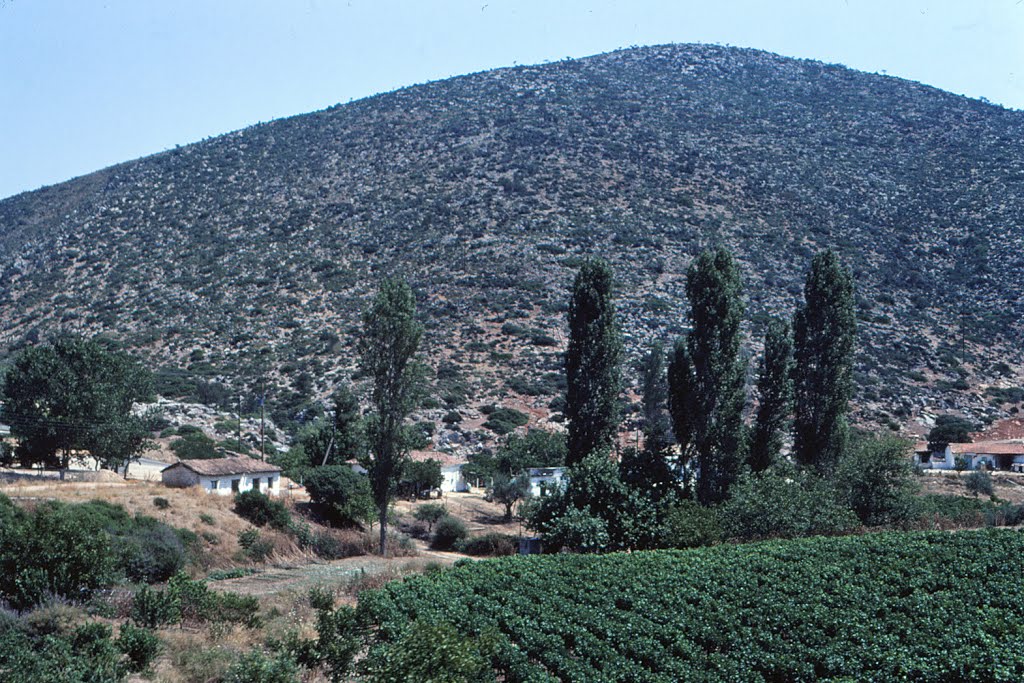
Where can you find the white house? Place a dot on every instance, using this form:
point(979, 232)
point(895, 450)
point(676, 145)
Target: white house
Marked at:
point(224, 476)
point(993, 455)
point(545, 479)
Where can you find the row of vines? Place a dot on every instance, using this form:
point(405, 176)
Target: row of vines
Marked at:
point(882, 607)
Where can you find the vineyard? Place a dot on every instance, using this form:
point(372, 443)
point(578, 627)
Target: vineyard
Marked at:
point(880, 607)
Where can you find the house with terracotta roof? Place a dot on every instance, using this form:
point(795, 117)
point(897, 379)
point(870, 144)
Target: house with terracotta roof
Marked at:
point(1007, 455)
point(224, 476)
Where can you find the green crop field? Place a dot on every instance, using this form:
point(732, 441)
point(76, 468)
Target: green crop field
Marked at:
point(880, 607)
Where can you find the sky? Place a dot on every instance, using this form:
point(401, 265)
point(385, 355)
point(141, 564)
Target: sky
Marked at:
point(85, 84)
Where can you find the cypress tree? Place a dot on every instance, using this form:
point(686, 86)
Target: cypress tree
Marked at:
point(775, 387)
point(713, 391)
point(824, 329)
point(592, 362)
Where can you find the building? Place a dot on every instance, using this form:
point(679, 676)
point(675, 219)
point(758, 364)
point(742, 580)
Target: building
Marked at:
point(224, 476)
point(1005, 455)
point(545, 479)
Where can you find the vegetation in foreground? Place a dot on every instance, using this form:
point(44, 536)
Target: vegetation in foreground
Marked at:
point(882, 607)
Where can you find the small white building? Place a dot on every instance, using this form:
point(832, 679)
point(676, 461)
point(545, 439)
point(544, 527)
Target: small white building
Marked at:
point(1005, 455)
point(224, 476)
point(544, 480)
point(453, 479)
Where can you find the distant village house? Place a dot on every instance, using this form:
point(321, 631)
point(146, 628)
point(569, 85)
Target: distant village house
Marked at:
point(1006, 455)
point(224, 476)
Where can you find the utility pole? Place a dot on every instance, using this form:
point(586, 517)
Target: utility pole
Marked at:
point(238, 416)
point(263, 400)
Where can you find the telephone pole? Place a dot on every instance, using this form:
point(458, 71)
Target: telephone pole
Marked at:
point(263, 399)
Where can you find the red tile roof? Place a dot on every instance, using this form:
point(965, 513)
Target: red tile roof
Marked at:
point(223, 467)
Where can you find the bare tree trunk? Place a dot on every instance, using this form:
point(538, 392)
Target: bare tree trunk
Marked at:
point(383, 531)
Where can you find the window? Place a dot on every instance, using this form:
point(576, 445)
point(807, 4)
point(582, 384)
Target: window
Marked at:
point(234, 485)
point(256, 484)
point(213, 484)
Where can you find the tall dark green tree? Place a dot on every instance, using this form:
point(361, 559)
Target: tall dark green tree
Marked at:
point(592, 362)
point(775, 387)
point(824, 329)
point(388, 345)
point(654, 399)
point(75, 395)
point(712, 391)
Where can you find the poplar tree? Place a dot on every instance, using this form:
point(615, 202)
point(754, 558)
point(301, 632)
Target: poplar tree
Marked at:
point(654, 398)
point(592, 362)
point(775, 388)
point(707, 401)
point(387, 347)
point(824, 329)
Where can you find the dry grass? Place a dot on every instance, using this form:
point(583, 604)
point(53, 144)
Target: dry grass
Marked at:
point(1007, 486)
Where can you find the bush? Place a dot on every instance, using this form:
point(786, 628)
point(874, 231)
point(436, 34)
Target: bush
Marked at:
point(782, 502)
point(504, 420)
point(340, 639)
point(255, 547)
point(149, 551)
point(152, 608)
point(689, 525)
point(979, 482)
point(427, 647)
point(194, 446)
point(261, 510)
point(341, 494)
point(161, 503)
point(490, 545)
point(450, 530)
point(140, 645)
point(54, 550)
point(258, 667)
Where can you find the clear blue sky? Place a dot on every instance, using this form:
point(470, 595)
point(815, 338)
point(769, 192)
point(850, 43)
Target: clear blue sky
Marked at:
point(88, 83)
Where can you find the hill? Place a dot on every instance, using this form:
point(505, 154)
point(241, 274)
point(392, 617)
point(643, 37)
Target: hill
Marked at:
point(250, 255)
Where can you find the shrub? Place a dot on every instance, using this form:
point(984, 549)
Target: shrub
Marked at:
point(194, 446)
point(782, 502)
point(979, 482)
point(153, 608)
point(340, 639)
point(450, 530)
point(206, 519)
point(140, 645)
point(161, 503)
point(490, 545)
point(261, 510)
point(428, 647)
point(257, 667)
point(255, 547)
point(52, 551)
point(504, 420)
point(342, 495)
point(149, 551)
point(690, 525)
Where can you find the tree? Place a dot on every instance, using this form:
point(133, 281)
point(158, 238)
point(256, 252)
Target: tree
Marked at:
point(979, 481)
point(75, 395)
point(824, 331)
point(508, 491)
point(595, 505)
point(654, 399)
point(875, 479)
point(343, 495)
point(349, 441)
point(387, 347)
point(775, 387)
point(421, 475)
point(536, 448)
point(430, 513)
point(592, 362)
point(706, 379)
point(949, 429)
